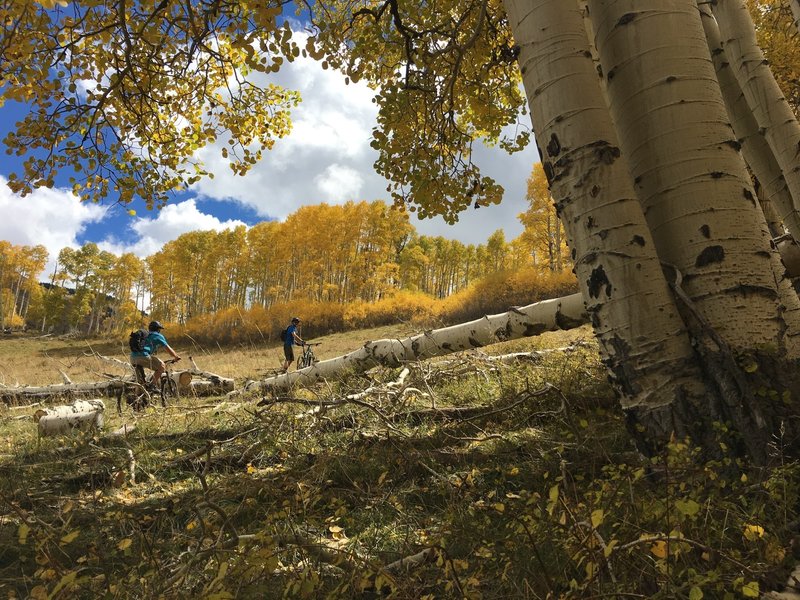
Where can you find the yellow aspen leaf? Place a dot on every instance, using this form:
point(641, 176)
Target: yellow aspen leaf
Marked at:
point(499, 506)
point(597, 517)
point(132, 212)
point(70, 537)
point(250, 468)
point(750, 590)
point(687, 507)
point(753, 532)
point(125, 544)
point(695, 593)
point(659, 549)
point(39, 593)
point(609, 548)
point(22, 533)
point(382, 477)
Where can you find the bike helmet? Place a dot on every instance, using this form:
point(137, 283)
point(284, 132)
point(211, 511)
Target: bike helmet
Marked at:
point(155, 326)
point(295, 319)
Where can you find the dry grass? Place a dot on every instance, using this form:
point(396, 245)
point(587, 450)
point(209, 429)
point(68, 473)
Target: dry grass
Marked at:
point(34, 360)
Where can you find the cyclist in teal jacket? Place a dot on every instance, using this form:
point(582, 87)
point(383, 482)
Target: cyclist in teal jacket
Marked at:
point(147, 357)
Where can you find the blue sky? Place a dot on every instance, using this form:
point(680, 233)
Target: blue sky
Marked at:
point(327, 158)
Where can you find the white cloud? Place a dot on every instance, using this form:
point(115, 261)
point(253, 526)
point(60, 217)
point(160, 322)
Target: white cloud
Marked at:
point(53, 218)
point(339, 183)
point(168, 224)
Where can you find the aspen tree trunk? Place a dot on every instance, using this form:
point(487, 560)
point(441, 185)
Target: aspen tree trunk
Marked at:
point(643, 339)
point(684, 159)
point(700, 206)
point(774, 196)
point(795, 5)
point(773, 113)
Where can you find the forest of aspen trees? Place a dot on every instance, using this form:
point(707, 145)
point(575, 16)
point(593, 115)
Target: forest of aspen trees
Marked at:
point(323, 260)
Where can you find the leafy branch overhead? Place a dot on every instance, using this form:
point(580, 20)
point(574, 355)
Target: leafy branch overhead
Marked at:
point(122, 96)
point(447, 75)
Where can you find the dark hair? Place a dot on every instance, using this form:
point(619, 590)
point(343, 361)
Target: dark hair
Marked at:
point(155, 326)
point(295, 319)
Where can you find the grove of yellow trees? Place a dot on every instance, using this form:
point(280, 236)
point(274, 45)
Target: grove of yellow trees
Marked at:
point(347, 264)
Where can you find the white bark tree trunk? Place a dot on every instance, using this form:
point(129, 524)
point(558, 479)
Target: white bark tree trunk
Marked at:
point(548, 315)
point(641, 334)
point(755, 148)
point(688, 173)
point(773, 113)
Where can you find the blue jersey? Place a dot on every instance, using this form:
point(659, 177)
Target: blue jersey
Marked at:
point(289, 341)
point(152, 343)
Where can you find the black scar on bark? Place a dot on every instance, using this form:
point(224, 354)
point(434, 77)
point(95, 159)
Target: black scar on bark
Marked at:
point(574, 254)
point(554, 146)
point(706, 231)
point(735, 144)
point(620, 375)
point(717, 175)
point(671, 78)
point(749, 195)
point(626, 18)
point(590, 223)
point(638, 240)
point(604, 152)
point(594, 191)
point(712, 254)
point(548, 171)
point(532, 329)
point(597, 281)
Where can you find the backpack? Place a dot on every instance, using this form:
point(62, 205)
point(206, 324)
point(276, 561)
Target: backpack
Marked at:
point(137, 339)
point(283, 334)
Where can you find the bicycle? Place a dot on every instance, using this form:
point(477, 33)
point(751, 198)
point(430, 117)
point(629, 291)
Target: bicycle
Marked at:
point(139, 393)
point(307, 358)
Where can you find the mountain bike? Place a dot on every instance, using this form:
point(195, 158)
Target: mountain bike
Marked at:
point(139, 393)
point(307, 358)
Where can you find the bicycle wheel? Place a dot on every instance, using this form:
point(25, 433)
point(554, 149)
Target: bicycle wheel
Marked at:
point(169, 391)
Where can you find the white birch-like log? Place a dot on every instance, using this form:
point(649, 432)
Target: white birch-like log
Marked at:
point(548, 315)
point(755, 148)
point(689, 175)
point(764, 96)
point(642, 337)
point(59, 389)
point(82, 415)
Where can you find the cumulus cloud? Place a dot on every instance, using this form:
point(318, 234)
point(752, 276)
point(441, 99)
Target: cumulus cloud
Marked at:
point(53, 218)
point(169, 223)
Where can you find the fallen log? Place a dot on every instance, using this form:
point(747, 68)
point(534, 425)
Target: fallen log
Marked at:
point(115, 385)
point(10, 394)
point(549, 315)
point(81, 415)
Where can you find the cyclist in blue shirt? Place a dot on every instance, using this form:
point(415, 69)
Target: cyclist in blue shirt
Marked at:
point(292, 339)
point(147, 358)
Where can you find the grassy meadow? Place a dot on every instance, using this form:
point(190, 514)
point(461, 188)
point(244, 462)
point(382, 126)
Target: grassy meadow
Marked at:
point(471, 479)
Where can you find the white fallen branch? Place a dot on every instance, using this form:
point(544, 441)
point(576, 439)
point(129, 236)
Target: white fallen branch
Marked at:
point(549, 315)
